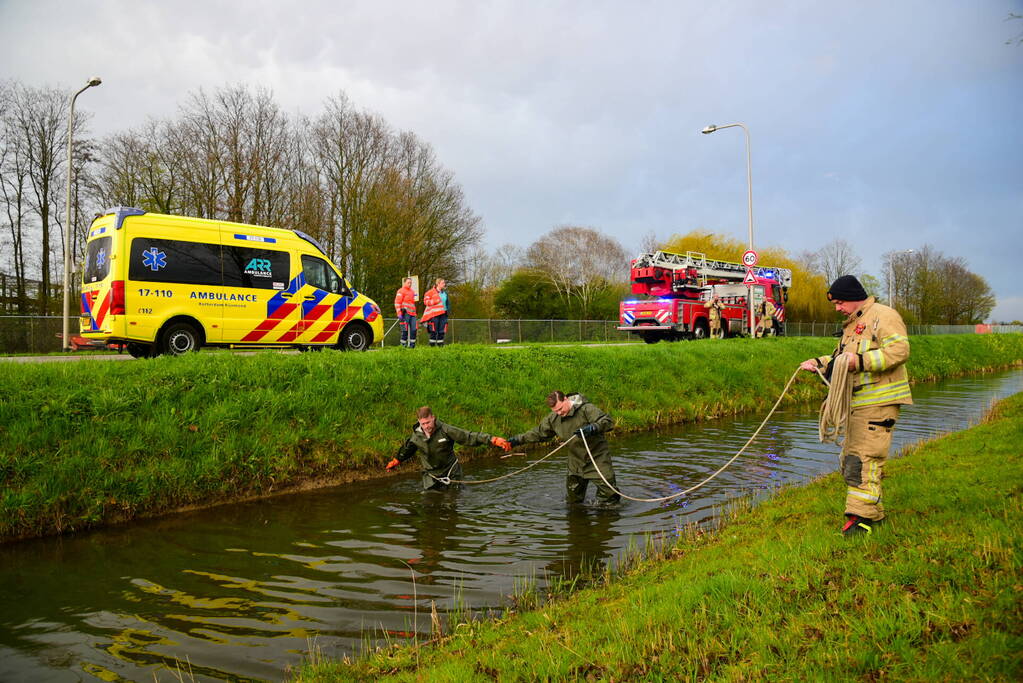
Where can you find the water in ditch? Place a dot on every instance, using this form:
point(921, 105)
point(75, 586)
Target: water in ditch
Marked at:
point(242, 592)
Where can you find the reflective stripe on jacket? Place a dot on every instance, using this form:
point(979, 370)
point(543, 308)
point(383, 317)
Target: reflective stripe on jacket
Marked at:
point(877, 335)
point(434, 306)
point(405, 301)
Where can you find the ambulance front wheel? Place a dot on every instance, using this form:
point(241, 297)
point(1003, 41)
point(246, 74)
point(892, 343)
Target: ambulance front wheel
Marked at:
point(180, 338)
point(355, 337)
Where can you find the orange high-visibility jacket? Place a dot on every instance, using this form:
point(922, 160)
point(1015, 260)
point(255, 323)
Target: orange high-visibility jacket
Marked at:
point(405, 301)
point(434, 304)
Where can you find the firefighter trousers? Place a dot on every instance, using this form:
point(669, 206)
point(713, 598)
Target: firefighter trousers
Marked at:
point(868, 437)
point(715, 329)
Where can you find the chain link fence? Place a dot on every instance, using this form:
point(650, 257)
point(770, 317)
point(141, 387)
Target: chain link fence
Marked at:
point(41, 334)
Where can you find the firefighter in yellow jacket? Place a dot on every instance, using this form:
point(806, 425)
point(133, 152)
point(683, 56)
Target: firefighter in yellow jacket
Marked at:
point(874, 348)
point(714, 316)
point(766, 322)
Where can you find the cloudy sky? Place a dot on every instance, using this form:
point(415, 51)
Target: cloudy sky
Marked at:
point(892, 124)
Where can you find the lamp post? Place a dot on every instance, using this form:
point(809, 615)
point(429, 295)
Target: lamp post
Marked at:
point(749, 185)
point(94, 81)
point(891, 275)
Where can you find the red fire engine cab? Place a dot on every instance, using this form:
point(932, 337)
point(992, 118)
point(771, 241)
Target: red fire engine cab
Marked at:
point(673, 289)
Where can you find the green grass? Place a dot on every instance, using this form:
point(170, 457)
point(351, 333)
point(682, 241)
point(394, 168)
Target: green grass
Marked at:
point(776, 593)
point(86, 443)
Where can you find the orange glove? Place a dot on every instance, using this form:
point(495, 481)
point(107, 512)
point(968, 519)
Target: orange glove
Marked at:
point(394, 463)
point(501, 443)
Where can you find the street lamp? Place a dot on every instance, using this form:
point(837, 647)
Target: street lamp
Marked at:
point(94, 81)
point(749, 184)
point(891, 274)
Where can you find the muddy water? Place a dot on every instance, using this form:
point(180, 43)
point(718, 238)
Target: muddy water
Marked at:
point(242, 592)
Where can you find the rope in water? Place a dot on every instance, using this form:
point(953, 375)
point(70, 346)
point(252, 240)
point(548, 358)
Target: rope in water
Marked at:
point(447, 480)
point(832, 421)
point(705, 481)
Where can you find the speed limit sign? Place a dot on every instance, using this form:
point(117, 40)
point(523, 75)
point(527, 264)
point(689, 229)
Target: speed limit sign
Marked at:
point(750, 258)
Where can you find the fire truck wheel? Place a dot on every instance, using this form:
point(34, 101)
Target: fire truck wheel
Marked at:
point(701, 330)
point(651, 338)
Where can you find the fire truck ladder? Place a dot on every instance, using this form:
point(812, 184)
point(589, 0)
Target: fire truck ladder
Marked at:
point(709, 267)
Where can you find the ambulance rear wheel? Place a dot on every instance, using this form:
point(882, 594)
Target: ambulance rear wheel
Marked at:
point(354, 338)
point(179, 339)
point(137, 350)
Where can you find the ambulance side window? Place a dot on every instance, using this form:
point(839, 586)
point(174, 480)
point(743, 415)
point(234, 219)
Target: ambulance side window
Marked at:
point(319, 274)
point(159, 260)
point(259, 268)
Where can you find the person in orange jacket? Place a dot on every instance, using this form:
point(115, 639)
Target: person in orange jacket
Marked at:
point(435, 317)
point(405, 308)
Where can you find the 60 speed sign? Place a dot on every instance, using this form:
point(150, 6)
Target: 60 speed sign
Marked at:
point(750, 258)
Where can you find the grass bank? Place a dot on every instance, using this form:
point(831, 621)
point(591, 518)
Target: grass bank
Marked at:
point(777, 593)
point(90, 443)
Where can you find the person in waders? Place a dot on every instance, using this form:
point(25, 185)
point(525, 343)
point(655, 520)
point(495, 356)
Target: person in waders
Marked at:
point(434, 442)
point(874, 349)
point(572, 415)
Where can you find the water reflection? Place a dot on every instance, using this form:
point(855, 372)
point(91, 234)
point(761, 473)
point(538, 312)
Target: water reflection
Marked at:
point(240, 592)
point(588, 535)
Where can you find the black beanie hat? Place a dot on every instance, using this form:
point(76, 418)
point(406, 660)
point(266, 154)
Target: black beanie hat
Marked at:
point(847, 288)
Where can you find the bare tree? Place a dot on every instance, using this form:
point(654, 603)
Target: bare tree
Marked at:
point(350, 149)
point(834, 259)
point(379, 202)
point(931, 288)
point(14, 170)
point(650, 243)
point(37, 119)
point(140, 168)
point(579, 262)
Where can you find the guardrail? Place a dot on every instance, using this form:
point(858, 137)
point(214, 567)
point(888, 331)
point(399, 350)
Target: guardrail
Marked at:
point(41, 334)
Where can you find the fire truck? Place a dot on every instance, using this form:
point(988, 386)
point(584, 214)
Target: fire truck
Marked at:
point(673, 289)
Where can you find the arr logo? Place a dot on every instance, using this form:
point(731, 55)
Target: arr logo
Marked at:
point(259, 267)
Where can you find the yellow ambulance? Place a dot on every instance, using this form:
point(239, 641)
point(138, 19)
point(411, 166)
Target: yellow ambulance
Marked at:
point(170, 284)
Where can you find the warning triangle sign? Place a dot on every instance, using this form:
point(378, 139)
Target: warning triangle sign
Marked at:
point(750, 279)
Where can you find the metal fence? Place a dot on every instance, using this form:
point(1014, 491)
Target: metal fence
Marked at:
point(493, 331)
point(834, 328)
point(31, 334)
point(41, 334)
